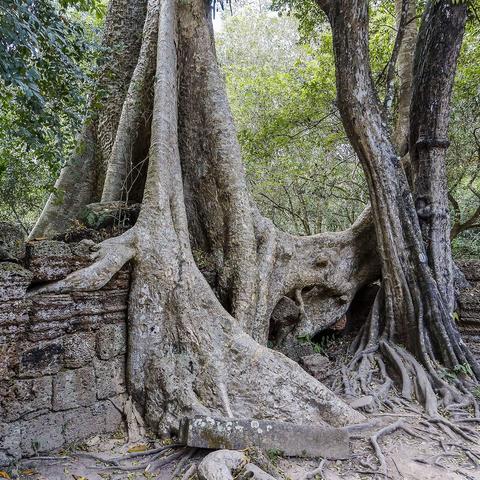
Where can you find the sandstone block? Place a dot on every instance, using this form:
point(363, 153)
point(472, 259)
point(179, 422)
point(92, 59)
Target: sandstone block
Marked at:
point(111, 341)
point(10, 436)
point(74, 388)
point(39, 359)
point(42, 434)
point(14, 281)
point(14, 312)
point(79, 349)
point(12, 242)
point(82, 423)
point(53, 260)
point(317, 365)
point(290, 439)
point(21, 397)
point(110, 214)
point(110, 377)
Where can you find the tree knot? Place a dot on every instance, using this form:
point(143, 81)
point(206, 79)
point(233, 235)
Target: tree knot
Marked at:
point(424, 142)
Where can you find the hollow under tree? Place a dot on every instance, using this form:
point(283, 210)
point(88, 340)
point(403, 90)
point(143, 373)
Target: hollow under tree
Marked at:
point(193, 349)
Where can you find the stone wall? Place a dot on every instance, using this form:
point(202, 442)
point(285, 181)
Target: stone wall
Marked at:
point(469, 305)
point(62, 357)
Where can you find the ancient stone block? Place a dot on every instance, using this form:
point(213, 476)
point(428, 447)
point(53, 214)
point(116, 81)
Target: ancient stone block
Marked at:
point(42, 434)
point(10, 437)
point(14, 281)
point(14, 312)
point(66, 308)
point(40, 359)
point(12, 242)
point(74, 388)
point(110, 377)
point(111, 341)
point(38, 332)
point(21, 397)
point(471, 269)
point(53, 260)
point(79, 349)
point(113, 416)
point(51, 308)
point(290, 439)
point(295, 349)
point(9, 358)
point(85, 422)
point(109, 214)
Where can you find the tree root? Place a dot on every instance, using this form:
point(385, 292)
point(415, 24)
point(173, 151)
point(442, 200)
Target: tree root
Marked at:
point(109, 257)
point(434, 460)
point(191, 470)
point(366, 374)
point(154, 464)
point(389, 429)
point(183, 461)
point(317, 471)
point(124, 458)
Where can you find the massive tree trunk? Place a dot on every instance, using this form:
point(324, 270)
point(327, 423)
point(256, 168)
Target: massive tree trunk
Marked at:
point(196, 347)
point(411, 323)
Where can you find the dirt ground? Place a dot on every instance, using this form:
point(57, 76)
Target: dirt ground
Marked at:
point(425, 451)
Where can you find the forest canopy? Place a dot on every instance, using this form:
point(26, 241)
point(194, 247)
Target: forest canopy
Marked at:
point(279, 71)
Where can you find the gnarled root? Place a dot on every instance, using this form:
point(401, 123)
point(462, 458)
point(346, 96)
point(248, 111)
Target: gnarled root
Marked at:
point(379, 363)
point(109, 257)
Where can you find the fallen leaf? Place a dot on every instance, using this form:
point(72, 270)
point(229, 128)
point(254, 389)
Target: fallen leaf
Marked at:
point(4, 474)
point(138, 448)
point(76, 477)
point(28, 472)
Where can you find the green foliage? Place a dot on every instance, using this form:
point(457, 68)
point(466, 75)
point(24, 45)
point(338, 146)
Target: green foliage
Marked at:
point(281, 85)
point(318, 347)
point(46, 53)
point(463, 369)
point(302, 171)
point(273, 454)
point(476, 392)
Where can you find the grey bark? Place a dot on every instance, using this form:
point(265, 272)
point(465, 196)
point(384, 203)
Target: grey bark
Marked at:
point(134, 116)
point(187, 354)
point(405, 75)
point(438, 46)
point(410, 308)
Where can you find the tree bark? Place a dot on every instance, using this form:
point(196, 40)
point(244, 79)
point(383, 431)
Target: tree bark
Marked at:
point(81, 178)
point(410, 308)
point(405, 74)
point(440, 39)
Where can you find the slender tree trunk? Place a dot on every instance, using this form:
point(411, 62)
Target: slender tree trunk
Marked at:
point(405, 74)
point(134, 119)
point(81, 179)
point(440, 39)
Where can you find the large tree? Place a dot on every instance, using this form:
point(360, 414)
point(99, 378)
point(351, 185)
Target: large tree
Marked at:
point(414, 306)
point(199, 347)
